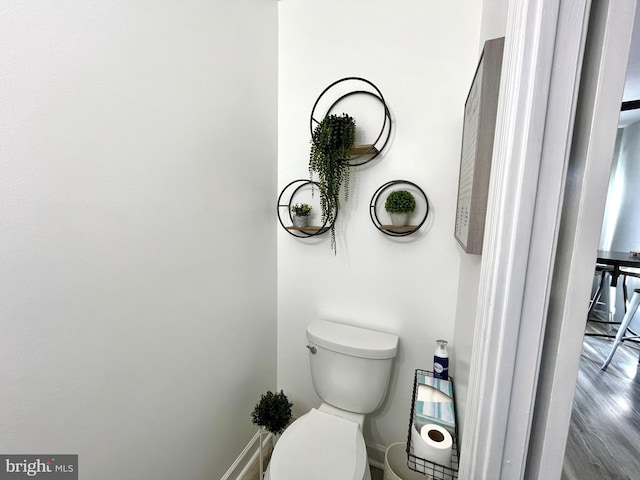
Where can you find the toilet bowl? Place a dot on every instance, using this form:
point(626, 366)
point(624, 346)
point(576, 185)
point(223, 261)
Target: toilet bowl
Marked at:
point(320, 446)
point(350, 371)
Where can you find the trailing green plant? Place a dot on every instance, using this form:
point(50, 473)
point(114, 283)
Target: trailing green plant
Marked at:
point(301, 209)
point(400, 201)
point(331, 141)
point(272, 412)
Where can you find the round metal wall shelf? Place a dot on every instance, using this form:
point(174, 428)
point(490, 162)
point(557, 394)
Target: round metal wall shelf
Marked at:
point(287, 195)
point(392, 230)
point(361, 154)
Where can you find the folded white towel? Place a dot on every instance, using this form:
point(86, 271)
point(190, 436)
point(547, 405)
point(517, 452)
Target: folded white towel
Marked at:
point(434, 403)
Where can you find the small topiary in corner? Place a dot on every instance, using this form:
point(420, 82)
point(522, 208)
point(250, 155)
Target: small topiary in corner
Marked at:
point(400, 201)
point(273, 412)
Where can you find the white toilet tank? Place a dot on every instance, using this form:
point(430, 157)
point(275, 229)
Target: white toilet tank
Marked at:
point(350, 366)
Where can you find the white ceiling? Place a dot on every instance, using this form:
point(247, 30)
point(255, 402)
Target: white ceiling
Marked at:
point(632, 83)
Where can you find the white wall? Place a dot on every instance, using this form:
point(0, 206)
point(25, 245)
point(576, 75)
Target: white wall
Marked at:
point(494, 20)
point(422, 56)
point(493, 25)
point(137, 178)
point(622, 217)
point(621, 223)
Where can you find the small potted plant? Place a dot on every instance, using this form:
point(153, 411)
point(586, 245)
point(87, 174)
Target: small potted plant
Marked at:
point(300, 217)
point(400, 204)
point(272, 412)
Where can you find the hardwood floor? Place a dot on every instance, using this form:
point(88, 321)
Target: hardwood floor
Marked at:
point(376, 474)
point(604, 436)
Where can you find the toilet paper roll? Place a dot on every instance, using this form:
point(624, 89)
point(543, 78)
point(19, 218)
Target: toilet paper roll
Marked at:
point(433, 443)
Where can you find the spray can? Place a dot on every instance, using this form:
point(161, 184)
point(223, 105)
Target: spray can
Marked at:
point(441, 361)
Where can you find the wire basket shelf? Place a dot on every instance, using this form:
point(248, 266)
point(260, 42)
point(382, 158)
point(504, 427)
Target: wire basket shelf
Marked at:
point(421, 465)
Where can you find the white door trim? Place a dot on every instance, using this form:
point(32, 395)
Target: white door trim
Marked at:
point(601, 88)
point(529, 163)
point(540, 79)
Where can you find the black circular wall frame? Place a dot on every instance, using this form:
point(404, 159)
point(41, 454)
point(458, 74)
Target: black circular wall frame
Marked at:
point(285, 200)
point(391, 230)
point(361, 153)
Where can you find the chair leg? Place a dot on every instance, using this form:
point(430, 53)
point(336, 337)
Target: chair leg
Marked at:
point(625, 295)
point(613, 297)
point(633, 306)
point(598, 294)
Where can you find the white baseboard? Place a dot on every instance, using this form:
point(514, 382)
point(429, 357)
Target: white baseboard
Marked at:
point(249, 458)
point(376, 454)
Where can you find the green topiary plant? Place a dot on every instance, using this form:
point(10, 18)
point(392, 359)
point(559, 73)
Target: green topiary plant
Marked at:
point(272, 412)
point(331, 142)
point(400, 201)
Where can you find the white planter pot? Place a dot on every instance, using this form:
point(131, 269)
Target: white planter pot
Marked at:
point(399, 219)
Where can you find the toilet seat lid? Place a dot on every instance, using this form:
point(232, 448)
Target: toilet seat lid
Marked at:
point(319, 446)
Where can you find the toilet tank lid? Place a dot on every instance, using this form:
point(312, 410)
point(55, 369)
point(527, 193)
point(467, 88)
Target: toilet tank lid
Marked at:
point(354, 341)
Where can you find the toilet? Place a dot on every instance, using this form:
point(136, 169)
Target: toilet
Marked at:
point(350, 370)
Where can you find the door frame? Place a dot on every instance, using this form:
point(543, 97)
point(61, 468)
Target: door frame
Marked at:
point(528, 196)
